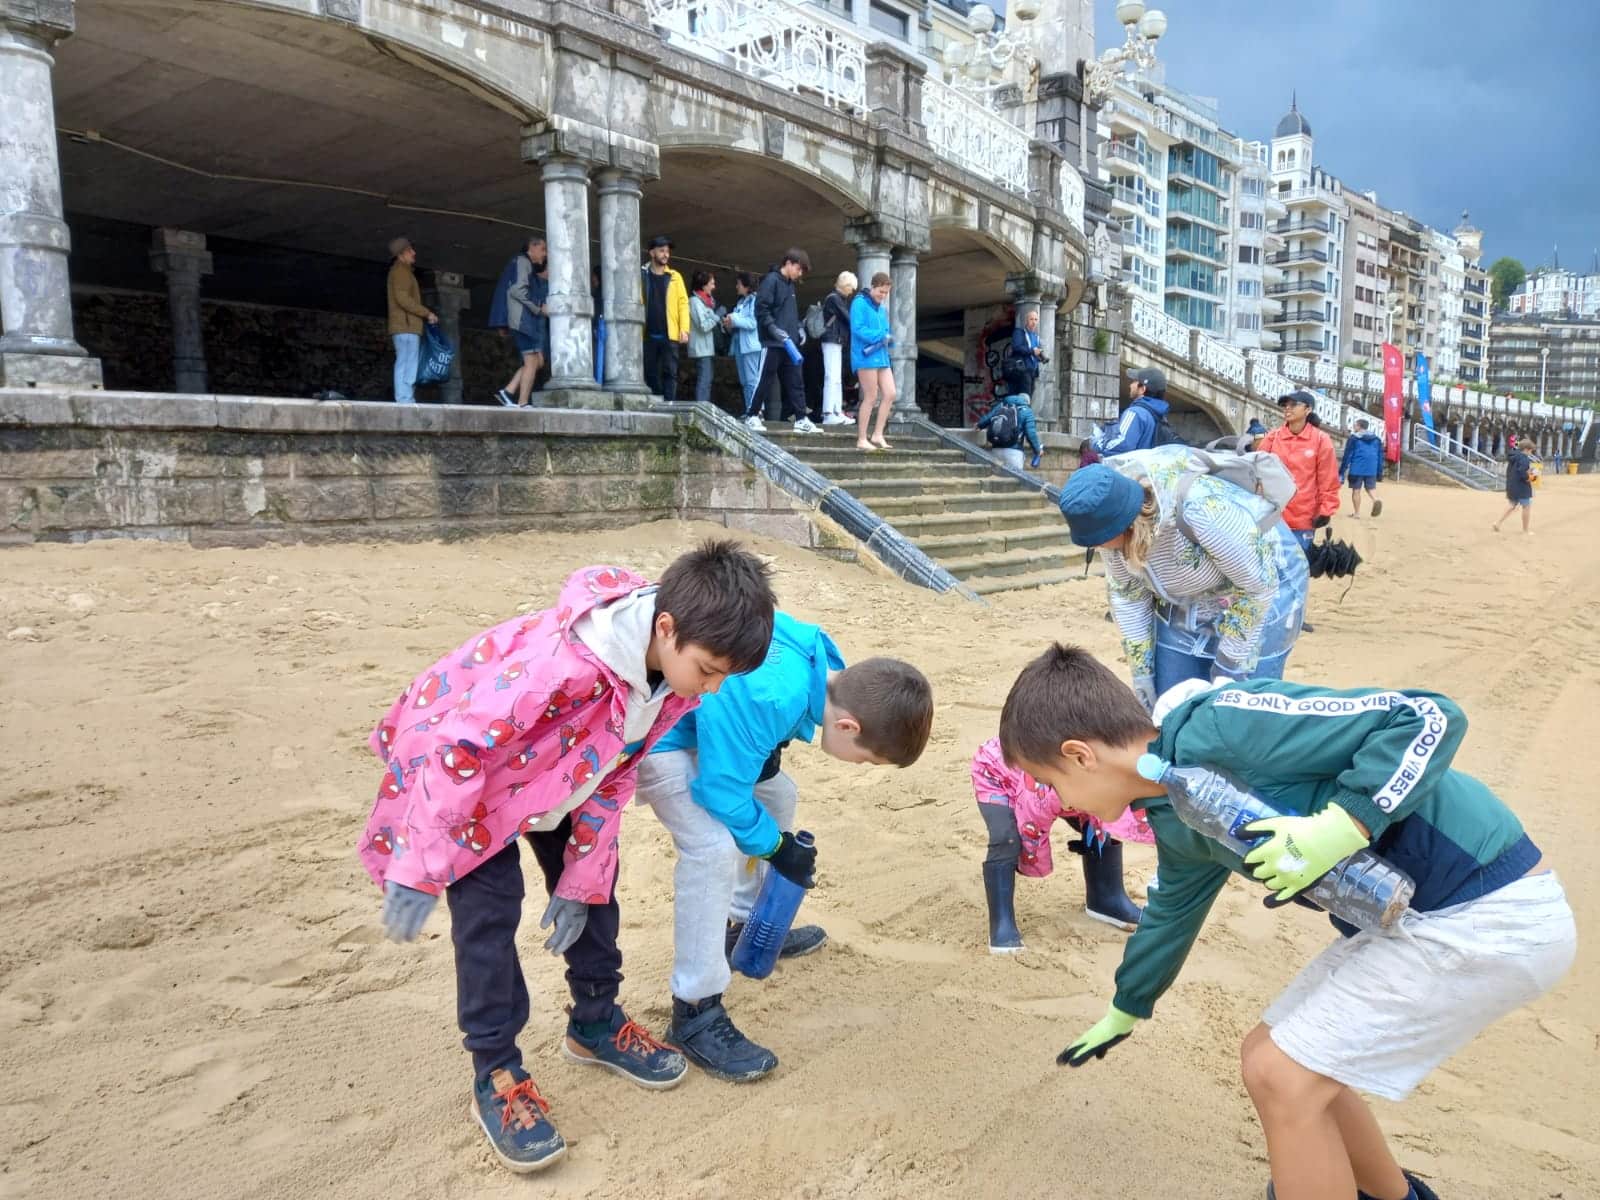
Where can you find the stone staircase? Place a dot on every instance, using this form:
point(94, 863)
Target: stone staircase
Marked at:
point(990, 532)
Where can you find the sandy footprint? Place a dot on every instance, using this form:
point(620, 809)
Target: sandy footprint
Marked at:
point(218, 1085)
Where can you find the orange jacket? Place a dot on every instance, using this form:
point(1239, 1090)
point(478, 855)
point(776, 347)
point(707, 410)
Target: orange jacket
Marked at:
point(1310, 459)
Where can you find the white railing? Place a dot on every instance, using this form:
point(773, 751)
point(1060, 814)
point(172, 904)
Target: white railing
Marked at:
point(1454, 455)
point(1151, 324)
point(1221, 360)
point(1268, 383)
point(975, 137)
point(1297, 369)
point(1325, 374)
point(1353, 378)
point(780, 43)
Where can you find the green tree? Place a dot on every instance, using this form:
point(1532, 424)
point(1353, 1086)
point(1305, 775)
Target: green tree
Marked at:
point(1506, 276)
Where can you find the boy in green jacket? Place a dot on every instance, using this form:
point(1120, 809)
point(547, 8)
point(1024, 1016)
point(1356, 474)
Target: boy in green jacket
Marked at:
point(1488, 930)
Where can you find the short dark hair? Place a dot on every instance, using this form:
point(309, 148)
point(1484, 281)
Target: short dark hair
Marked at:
point(893, 701)
point(747, 280)
point(1361, 422)
point(879, 278)
point(699, 279)
point(1066, 694)
point(532, 240)
point(720, 597)
point(797, 256)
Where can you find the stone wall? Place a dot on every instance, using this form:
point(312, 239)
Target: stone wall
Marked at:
point(249, 472)
point(1092, 384)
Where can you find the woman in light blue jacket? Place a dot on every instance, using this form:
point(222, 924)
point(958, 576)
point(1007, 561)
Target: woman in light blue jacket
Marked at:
point(870, 340)
point(747, 349)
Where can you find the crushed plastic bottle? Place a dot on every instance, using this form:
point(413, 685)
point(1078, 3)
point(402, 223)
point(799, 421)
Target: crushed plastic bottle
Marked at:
point(1363, 890)
point(756, 952)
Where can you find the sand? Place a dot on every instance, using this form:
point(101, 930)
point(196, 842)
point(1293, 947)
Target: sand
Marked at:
point(195, 998)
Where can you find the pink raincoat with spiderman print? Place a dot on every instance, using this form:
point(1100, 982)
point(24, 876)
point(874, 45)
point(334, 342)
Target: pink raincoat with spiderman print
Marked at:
point(500, 732)
point(1037, 807)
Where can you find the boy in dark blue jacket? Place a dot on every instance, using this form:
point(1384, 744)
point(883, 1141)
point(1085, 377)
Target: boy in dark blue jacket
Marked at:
point(1489, 928)
point(1362, 464)
point(716, 780)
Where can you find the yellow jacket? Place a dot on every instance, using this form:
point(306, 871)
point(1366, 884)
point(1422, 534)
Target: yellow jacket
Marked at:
point(677, 303)
point(406, 313)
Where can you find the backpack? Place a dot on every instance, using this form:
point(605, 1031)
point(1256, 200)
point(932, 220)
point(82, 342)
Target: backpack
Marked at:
point(1259, 472)
point(814, 323)
point(1003, 429)
point(1162, 433)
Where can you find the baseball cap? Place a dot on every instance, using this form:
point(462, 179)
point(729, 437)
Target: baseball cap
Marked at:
point(660, 239)
point(1298, 396)
point(1153, 378)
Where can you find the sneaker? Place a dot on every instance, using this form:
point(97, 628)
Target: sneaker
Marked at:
point(1377, 508)
point(796, 943)
point(1419, 1190)
point(505, 398)
point(1306, 627)
point(709, 1039)
point(836, 419)
point(804, 425)
point(516, 1120)
point(629, 1050)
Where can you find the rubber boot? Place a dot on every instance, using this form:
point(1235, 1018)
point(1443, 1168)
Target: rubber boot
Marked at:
point(1105, 898)
point(1000, 886)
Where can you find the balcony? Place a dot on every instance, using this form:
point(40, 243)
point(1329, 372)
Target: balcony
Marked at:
point(1301, 346)
point(1472, 308)
point(1214, 255)
point(1472, 353)
point(1298, 287)
point(1298, 254)
point(1121, 152)
point(1182, 174)
point(1306, 195)
point(1302, 225)
point(1304, 316)
point(1478, 287)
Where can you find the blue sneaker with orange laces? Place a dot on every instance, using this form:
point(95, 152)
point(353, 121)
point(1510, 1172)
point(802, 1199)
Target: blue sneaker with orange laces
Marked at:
point(516, 1120)
point(626, 1048)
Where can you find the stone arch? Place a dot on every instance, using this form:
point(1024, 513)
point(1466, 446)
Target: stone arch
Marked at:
point(851, 200)
point(968, 223)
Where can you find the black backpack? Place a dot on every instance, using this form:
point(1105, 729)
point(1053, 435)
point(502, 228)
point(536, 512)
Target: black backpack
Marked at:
point(1163, 434)
point(1002, 429)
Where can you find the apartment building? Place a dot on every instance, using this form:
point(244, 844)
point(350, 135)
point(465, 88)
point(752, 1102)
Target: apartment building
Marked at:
point(1366, 285)
point(1256, 210)
point(1445, 330)
point(1403, 249)
point(1552, 292)
point(1558, 356)
point(1133, 163)
point(1312, 258)
point(1475, 306)
point(1202, 166)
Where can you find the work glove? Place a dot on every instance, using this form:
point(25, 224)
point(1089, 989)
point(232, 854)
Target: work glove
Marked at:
point(1100, 1037)
point(404, 911)
point(569, 917)
point(796, 863)
point(1321, 522)
point(1144, 687)
point(1301, 850)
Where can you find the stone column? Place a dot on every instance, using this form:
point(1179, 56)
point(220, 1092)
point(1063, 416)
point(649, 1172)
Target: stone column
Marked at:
point(183, 258)
point(446, 293)
point(566, 220)
point(903, 325)
point(37, 347)
point(1047, 401)
point(620, 281)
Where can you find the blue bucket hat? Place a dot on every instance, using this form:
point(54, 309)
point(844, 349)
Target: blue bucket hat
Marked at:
point(1255, 428)
point(1099, 504)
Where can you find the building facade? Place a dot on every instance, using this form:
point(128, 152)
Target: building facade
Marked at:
point(1552, 292)
point(1556, 357)
point(1257, 210)
point(1312, 258)
point(1475, 306)
point(1366, 285)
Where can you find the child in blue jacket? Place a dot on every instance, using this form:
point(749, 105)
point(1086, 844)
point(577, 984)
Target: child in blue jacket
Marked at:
point(716, 780)
point(1027, 430)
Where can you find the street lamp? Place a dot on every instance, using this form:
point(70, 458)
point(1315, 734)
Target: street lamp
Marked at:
point(990, 54)
point(1142, 29)
point(1544, 359)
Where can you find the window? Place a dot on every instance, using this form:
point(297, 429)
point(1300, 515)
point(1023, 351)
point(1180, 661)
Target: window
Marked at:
point(885, 18)
point(1250, 255)
point(1253, 187)
point(1249, 288)
point(1252, 220)
point(1249, 322)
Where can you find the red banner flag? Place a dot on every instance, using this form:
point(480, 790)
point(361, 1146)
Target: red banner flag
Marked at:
point(1394, 401)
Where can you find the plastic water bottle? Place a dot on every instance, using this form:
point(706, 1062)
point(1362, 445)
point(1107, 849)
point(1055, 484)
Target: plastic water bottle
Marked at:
point(1363, 890)
point(792, 351)
point(756, 952)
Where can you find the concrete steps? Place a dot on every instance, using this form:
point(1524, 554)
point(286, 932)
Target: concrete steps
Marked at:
point(982, 526)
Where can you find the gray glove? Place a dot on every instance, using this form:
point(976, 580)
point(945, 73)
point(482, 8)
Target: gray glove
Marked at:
point(404, 911)
point(1145, 688)
point(569, 917)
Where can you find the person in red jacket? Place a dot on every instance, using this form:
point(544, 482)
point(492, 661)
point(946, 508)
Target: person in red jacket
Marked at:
point(1308, 453)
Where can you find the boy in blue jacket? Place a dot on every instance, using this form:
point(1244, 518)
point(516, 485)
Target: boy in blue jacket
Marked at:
point(716, 780)
point(1488, 930)
point(1362, 464)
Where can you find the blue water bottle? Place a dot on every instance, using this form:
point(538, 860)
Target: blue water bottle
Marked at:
point(792, 351)
point(756, 953)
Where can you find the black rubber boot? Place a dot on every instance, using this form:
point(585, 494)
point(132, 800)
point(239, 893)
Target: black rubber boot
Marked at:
point(1105, 898)
point(711, 1041)
point(1000, 886)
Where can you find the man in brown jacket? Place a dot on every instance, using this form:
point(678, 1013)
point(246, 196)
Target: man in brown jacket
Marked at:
point(406, 315)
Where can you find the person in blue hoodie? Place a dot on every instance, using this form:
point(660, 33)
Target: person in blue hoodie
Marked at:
point(1143, 423)
point(716, 781)
point(1362, 464)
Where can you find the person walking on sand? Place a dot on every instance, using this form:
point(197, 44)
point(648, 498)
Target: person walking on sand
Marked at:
point(406, 316)
point(1362, 464)
point(1522, 472)
point(870, 340)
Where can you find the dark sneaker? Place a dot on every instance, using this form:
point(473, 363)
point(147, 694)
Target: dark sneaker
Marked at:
point(1377, 508)
point(516, 1119)
point(796, 943)
point(505, 399)
point(630, 1051)
point(711, 1041)
point(1419, 1190)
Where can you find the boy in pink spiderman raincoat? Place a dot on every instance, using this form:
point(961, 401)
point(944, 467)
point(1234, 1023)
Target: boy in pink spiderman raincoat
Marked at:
point(533, 730)
point(1018, 813)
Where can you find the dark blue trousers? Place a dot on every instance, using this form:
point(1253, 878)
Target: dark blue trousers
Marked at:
point(491, 994)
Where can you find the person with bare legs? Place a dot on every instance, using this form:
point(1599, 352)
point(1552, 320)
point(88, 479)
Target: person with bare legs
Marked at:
point(870, 340)
point(1522, 470)
point(519, 308)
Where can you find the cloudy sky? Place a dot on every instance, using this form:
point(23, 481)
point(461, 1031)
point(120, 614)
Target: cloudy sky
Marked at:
point(1438, 105)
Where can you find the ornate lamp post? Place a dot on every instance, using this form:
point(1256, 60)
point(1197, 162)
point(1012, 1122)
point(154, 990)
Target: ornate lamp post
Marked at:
point(979, 67)
point(1142, 29)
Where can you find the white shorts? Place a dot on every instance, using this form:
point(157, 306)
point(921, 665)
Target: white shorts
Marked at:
point(1380, 1010)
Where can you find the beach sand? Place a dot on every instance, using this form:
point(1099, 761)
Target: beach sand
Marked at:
point(195, 998)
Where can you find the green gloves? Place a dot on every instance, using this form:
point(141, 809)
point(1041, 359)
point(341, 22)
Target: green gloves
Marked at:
point(1301, 850)
point(1102, 1035)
